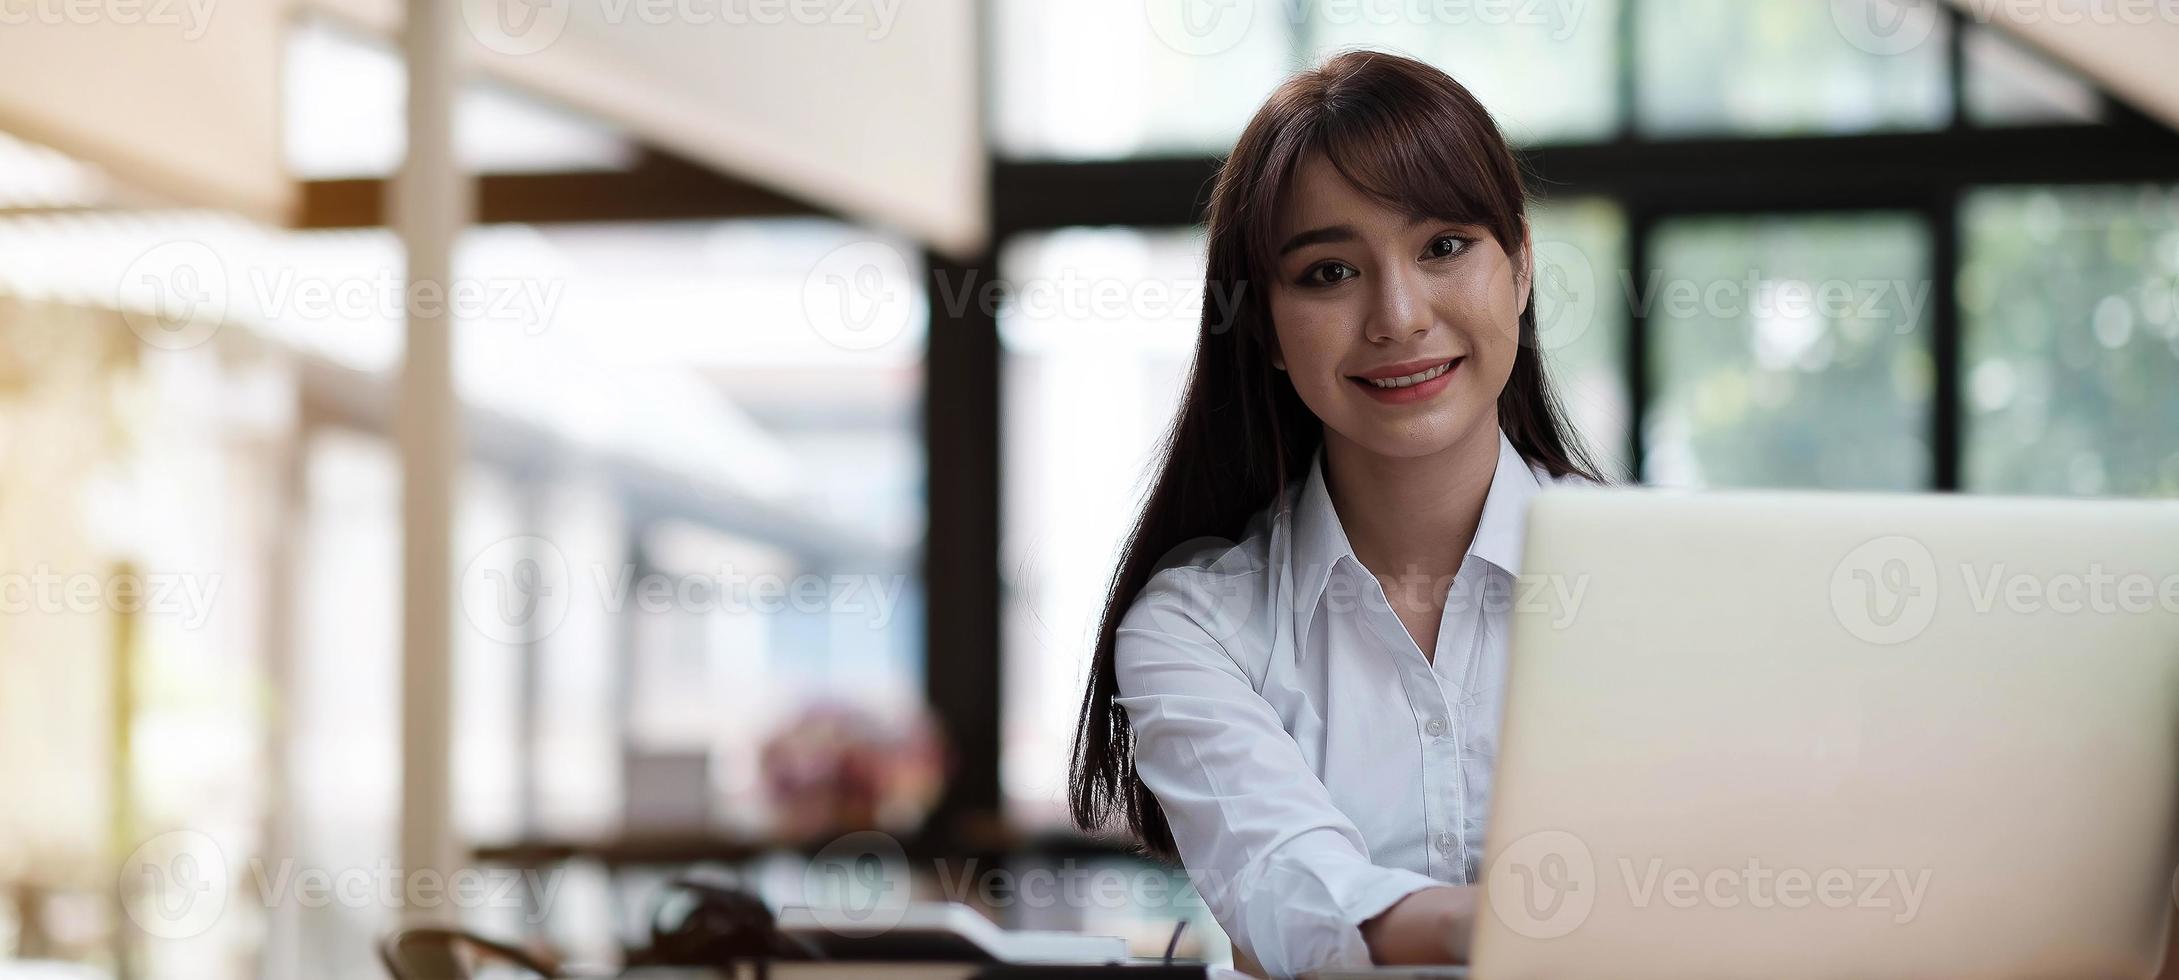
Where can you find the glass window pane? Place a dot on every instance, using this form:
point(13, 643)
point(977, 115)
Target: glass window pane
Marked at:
point(1097, 344)
point(1789, 352)
point(737, 550)
point(1734, 67)
point(1092, 79)
point(488, 671)
point(345, 730)
point(1581, 318)
point(2067, 300)
point(1494, 49)
point(2010, 85)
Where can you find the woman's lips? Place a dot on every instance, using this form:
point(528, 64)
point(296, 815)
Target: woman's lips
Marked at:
point(1435, 378)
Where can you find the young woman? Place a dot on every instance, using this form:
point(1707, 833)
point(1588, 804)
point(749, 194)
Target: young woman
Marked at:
point(1296, 686)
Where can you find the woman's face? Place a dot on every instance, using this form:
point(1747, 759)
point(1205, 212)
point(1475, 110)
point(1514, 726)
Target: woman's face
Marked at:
point(1398, 333)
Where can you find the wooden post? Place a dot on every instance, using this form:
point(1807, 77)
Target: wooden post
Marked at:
point(431, 203)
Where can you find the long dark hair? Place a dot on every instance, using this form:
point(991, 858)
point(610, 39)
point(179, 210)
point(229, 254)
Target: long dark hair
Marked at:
point(1406, 134)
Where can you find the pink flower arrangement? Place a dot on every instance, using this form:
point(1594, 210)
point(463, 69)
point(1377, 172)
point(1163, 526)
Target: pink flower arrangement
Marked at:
point(836, 768)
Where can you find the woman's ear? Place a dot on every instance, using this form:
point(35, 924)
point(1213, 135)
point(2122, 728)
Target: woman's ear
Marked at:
point(1271, 343)
point(1524, 270)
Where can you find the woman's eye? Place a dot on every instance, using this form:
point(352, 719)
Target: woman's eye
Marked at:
point(1328, 274)
point(1445, 245)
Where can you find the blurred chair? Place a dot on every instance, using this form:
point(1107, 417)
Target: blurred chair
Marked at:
point(448, 954)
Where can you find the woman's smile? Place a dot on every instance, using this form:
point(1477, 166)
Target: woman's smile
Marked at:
point(1408, 382)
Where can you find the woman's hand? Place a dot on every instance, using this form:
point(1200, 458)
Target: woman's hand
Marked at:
point(1429, 926)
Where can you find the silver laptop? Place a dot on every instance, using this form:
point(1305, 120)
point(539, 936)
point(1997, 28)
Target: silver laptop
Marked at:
point(1817, 735)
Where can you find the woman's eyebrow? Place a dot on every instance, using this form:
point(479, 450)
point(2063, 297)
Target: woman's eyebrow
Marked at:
point(1346, 233)
point(1318, 236)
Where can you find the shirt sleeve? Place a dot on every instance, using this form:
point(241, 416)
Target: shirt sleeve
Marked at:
point(1284, 871)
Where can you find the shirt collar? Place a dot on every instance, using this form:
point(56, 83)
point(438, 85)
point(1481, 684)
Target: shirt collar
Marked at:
point(1498, 536)
point(1320, 542)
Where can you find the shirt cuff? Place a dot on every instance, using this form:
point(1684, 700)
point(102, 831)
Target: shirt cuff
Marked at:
point(1317, 890)
point(1385, 890)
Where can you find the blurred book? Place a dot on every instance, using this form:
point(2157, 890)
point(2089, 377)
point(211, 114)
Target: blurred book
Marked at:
point(943, 932)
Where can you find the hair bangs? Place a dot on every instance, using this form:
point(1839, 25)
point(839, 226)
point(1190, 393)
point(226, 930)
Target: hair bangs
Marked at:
point(1403, 134)
point(1413, 165)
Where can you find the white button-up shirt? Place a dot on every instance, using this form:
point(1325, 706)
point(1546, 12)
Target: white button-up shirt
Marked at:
point(1315, 766)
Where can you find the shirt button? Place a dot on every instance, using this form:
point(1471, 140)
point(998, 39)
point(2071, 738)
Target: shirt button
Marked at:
point(1435, 728)
point(1446, 843)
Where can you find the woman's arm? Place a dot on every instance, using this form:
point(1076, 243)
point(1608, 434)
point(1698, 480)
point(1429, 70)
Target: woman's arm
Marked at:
point(1429, 926)
point(1287, 874)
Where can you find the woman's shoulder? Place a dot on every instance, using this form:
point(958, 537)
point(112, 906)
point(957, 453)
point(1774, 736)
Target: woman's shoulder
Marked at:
point(1210, 584)
point(1181, 576)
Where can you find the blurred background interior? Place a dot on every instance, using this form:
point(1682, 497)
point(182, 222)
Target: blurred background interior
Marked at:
point(727, 333)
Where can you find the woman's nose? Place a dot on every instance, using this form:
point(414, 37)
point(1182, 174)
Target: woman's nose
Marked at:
point(1402, 307)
